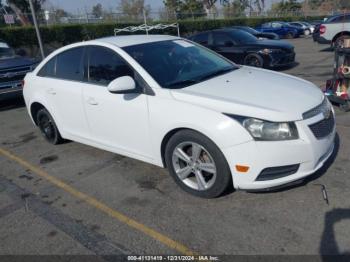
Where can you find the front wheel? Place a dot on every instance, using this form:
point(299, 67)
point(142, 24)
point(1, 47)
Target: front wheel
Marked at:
point(307, 32)
point(254, 60)
point(197, 165)
point(339, 42)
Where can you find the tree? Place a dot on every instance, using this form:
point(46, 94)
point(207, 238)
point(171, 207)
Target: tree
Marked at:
point(60, 14)
point(236, 8)
point(22, 8)
point(97, 10)
point(23, 5)
point(171, 8)
point(315, 4)
point(287, 6)
point(133, 9)
point(191, 8)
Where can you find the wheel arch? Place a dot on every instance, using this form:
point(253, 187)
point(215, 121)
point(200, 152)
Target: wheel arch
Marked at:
point(34, 109)
point(340, 34)
point(166, 139)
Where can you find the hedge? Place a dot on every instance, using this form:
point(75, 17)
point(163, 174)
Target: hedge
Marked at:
point(66, 34)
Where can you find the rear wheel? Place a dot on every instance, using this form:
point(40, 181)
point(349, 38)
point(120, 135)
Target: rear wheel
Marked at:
point(345, 107)
point(289, 35)
point(48, 127)
point(339, 42)
point(197, 165)
point(254, 60)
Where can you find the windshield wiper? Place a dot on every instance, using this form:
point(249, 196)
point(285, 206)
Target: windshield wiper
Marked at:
point(181, 84)
point(216, 73)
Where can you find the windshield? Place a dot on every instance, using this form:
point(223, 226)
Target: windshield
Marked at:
point(179, 63)
point(6, 52)
point(249, 30)
point(242, 37)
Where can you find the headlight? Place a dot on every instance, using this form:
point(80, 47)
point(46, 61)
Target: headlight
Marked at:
point(269, 51)
point(268, 131)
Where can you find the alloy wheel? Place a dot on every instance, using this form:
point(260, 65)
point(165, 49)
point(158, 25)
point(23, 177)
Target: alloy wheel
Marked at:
point(253, 61)
point(194, 166)
point(47, 128)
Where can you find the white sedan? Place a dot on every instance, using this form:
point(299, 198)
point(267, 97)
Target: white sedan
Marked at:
point(170, 102)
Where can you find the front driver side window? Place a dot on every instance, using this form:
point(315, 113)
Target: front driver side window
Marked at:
point(105, 66)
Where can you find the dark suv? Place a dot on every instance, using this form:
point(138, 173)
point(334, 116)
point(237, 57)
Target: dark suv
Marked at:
point(13, 68)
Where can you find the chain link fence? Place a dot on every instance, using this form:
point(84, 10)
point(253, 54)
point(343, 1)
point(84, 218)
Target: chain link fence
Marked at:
point(57, 17)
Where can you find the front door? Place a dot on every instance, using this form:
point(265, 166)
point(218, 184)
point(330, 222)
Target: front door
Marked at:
point(116, 120)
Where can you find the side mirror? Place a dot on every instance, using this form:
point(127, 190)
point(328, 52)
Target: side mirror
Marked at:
point(122, 85)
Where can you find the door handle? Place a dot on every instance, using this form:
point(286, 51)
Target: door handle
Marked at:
point(51, 91)
point(92, 101)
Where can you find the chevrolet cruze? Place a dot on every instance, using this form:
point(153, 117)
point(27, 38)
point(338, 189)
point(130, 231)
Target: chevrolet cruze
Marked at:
point(173, 103)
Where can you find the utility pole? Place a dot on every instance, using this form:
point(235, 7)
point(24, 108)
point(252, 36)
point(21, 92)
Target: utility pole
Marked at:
point(37, 29)
point(145, 20)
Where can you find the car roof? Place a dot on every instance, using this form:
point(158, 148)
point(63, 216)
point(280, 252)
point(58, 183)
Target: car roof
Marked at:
point(129, 40)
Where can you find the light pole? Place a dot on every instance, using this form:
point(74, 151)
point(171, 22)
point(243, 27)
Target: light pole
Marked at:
point(37, 29)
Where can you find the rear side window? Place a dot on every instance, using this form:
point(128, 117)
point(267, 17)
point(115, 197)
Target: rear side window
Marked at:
point(201, 39)
point(49, 69)
point(69, 64)
point(222, 39)
point(105, 66)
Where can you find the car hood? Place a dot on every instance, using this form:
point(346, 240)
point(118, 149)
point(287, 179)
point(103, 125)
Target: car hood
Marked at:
point(16, 61)
point(274, 44)
point(254, 92)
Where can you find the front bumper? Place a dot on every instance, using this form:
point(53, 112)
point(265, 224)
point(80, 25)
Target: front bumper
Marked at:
point(281, 59)
point(11, 87)
point(308, 152)
point(322, 40)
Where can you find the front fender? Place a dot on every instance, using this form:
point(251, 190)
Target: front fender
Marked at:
point(170, 114)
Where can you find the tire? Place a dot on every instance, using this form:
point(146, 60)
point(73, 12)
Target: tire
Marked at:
point(289, 35)
point(48, 127)
point(340, 41)
point(307, 32)
point(345, 107)
point(254, 60)
point(196, 181)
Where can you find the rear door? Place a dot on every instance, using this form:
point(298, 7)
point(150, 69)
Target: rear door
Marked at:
point(62, 81)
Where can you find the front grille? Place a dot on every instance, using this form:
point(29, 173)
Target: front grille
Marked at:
point(15, 70)
point(14, 74)
point(10, 79)
point(324, 127)
point(277, 172)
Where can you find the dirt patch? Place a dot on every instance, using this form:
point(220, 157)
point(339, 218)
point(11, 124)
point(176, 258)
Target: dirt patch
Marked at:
point(48, 159)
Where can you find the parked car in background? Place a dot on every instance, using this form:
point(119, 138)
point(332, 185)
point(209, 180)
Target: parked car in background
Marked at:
point(284, 30)
point(13, 68)
point(244, 48)
point(333, 30)
point(308, 28)
point(257, 34)
point(167, 101)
